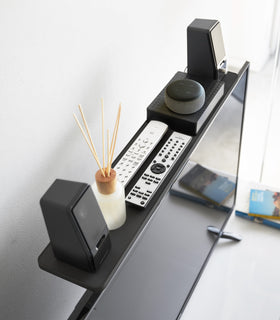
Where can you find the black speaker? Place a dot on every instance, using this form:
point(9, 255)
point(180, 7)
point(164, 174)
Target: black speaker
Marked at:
point(189, 98)
point(76, 227)
point(206, 52)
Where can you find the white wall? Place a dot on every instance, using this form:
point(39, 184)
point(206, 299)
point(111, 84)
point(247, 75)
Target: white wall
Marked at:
point(55, 55)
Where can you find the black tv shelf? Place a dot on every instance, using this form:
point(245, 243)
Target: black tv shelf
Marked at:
point(124, 239)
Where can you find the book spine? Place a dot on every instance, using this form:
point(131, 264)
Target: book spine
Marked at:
point(257, 219)
point(263, 216)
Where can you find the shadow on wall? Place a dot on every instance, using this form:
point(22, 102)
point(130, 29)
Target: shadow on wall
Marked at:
point(26, 286)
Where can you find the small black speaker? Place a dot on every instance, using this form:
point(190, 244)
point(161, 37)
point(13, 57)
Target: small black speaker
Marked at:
point(76, 227)
point(184, 96)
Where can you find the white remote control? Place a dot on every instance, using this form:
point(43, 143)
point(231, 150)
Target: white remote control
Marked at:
point(138, 152)
point(154, 175)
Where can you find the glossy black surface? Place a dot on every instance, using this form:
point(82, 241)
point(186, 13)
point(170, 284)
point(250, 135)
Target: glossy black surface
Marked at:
point(123, 239)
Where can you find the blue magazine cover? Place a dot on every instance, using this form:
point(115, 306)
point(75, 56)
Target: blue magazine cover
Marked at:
point(264, 203)
point(243, 202)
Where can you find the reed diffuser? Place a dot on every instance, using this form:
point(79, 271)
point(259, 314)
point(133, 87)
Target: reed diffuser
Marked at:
point(109, 192)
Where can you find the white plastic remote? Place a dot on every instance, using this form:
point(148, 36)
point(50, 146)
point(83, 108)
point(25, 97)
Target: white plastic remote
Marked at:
point(139, 150)
point(155, 174)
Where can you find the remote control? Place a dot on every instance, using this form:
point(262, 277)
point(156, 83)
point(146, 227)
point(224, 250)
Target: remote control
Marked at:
point(155, 174)
point(139, 150)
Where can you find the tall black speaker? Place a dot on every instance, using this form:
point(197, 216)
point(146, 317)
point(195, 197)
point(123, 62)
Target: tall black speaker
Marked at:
point(206, 52)
point(76, 227)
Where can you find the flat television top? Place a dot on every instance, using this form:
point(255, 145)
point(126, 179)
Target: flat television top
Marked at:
point(161, 270)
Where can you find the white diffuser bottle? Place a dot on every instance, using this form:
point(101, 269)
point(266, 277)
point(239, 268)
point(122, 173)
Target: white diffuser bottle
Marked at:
point(109, 193)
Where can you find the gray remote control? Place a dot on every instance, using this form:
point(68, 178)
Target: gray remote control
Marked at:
point(138, 152)
point(155, 174)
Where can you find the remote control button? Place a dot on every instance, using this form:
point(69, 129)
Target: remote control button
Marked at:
point(140, 149)
point(157, 171)
point(158, 168)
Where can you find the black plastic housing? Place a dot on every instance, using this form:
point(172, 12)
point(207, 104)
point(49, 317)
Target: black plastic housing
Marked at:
point(206, 52)
point(76, 227)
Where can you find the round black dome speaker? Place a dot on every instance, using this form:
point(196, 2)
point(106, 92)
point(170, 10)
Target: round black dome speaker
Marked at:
point(184, 96)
